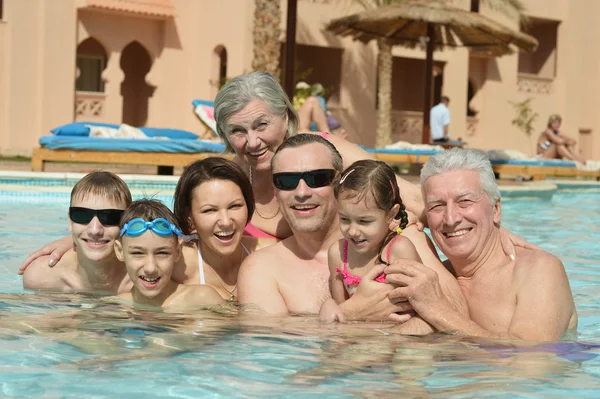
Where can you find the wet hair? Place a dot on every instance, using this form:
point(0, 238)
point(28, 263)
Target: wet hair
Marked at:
point(104, 184)
point(554, 118)
point(240, 91)
point(303, 139)
point(201, 171)
point(463, 159)
point(149, 210)
point(378, 179)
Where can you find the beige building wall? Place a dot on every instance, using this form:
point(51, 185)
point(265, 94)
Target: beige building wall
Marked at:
point(39, 39)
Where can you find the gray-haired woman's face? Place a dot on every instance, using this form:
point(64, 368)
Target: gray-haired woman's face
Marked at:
point(255, 133)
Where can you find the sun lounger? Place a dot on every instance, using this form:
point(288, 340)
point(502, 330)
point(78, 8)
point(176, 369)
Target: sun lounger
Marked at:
point(206, 113)
point(401, 155)
point(512, 163)
point(164, 153)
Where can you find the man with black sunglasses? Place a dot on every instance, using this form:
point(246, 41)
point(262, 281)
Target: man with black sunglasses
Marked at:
point(292, 276)
point(97, 203)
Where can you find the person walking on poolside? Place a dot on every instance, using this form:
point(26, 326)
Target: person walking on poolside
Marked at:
point(97, 202)
point(524, 298)
point(371, 221)
point(150, 244)
point(439, 120)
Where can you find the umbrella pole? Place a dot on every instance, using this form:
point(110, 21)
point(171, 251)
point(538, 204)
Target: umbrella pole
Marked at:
point(426, 138)
point(290, 48)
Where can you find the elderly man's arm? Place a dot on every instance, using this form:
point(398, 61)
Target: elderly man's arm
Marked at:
point(257, 284)
point(544, 303)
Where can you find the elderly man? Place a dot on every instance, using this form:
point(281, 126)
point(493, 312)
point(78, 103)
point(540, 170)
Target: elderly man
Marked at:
point(523, 298)
point(292, 276)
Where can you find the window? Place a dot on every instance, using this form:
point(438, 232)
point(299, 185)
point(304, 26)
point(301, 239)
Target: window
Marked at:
point(90, 69)
point(542, 62)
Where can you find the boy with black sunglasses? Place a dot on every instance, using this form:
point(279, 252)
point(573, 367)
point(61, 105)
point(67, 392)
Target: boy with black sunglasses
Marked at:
point(98, 201)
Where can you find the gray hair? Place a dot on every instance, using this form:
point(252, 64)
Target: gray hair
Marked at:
point(303, 139)
point(238, 92)
point(463, 159)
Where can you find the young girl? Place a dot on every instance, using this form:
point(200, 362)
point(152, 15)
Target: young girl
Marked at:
point(150, 245)
point(372, 218)
point(213, 202)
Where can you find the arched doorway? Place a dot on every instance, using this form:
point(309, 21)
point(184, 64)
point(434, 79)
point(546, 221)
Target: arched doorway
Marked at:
point(91, 60)
point(135, 63)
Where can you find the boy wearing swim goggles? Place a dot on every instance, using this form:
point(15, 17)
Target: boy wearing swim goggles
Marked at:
point(150, 245)
point(97, 202)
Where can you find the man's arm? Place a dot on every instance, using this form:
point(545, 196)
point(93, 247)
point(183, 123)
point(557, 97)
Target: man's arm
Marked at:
point(257, 283)
point(543, 310)
point(545, 303)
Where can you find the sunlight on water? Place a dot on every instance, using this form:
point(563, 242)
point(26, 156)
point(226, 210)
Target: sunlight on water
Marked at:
point(59, 345)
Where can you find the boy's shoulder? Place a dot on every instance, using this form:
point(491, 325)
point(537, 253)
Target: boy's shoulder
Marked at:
point(39, 275)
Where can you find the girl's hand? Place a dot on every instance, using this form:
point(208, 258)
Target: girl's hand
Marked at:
point(56, 250)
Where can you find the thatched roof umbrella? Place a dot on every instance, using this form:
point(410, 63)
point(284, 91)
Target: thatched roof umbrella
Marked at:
point(437, 23)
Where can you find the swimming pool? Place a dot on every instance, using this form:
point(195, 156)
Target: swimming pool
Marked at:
point(78, 346)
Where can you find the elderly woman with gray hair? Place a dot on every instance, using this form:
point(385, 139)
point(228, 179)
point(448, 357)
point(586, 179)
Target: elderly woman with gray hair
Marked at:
point(254, 116)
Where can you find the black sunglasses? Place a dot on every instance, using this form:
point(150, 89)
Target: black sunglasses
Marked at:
point(313, 178)
point(108, 217)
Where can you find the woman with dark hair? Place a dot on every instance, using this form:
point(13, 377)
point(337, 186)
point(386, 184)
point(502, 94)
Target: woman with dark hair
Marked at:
point(213, 202)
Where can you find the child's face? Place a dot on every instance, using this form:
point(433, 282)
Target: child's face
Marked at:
point(219, 215)
point(149, 260)
point(94, 240)
point(362, 223)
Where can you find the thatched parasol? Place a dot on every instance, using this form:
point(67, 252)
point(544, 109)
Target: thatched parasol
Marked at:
point(436, 23)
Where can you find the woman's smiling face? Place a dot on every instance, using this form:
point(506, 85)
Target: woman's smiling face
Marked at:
point(219, 215)
point(255, 133)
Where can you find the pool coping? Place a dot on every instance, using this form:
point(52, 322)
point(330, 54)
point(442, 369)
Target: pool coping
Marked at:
point(544, 189)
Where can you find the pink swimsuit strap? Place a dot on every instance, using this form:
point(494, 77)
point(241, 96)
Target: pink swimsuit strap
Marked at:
point(349, 278)
point(389, 249)
point(253, 231)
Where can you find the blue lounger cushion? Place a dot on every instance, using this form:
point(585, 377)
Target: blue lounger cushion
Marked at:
point(130, 145)
point(535, 162)
point(408, 151)
point(81, 129)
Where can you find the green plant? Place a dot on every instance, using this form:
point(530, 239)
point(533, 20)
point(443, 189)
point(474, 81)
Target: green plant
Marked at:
point(525, 116)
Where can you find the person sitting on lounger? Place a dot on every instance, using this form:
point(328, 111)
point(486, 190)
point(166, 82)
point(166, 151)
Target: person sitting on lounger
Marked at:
point(554, 144)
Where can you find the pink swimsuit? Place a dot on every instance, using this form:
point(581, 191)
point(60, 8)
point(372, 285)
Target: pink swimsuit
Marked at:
point(253, 231)
point(350, 280)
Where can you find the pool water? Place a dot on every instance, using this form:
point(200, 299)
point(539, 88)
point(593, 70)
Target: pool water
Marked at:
point(80, 346)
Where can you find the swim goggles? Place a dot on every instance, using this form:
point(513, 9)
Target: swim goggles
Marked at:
point(288, 181)
point(108, 217)
point(138, 226)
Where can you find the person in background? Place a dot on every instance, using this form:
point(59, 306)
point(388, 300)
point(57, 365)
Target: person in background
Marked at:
point(554, 144)
point(439, 120)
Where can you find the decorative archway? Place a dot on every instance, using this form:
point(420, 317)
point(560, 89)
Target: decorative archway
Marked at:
point(136, 63)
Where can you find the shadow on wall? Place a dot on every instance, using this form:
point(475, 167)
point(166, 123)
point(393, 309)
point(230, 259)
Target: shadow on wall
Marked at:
point(334, 69)
point(135, 63)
